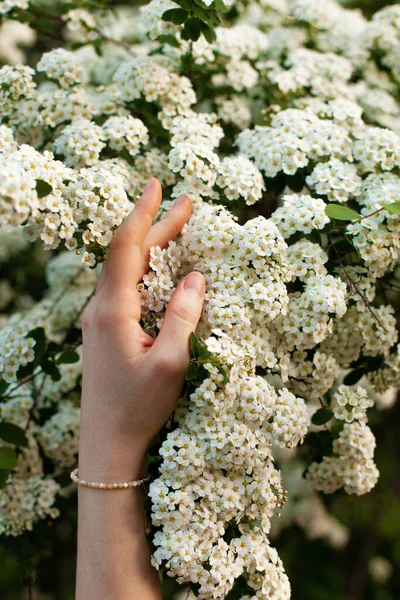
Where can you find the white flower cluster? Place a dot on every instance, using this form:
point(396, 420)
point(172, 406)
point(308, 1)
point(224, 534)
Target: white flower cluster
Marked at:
point(152, 23)
point(312, 378)
point(305, 68)
point(353, 468)
point(144, 76)
point(80, 143)
point(234, 110)
point(335, 179)
point(223, 428)
point(94, 196)
point(389, 374)
point(294, 138)
point(125, 133)
point(12, 242)
point(80, 24)
point(17, 350)
point(59, 436)
point(16, 83)
point(240, 178)
point(351, 405)
point(320, 16)
point(8, 5)
point(377, 147)
point(13, 35)
point(382, 34)
point(377, 237)
point(63, 66)
point(300, 213)
point(194, 138)
point(29, 496)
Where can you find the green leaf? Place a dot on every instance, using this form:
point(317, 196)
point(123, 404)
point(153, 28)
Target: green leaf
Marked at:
point(50, 368)
point(341, 213)
point(12, 434)
point(193, 29)
point(209, 34)
point(195, 346)
point(98, 46)
point(43, 188)
point(192, 372)
point(3, 386)
point(354, 376)
point(322, 416)
point(224, 375)
point(200, 13)
point(176, 15)
point(169, 39)
point(167, 15)
point(25, 371)
point(39, 336)
point(186, 4)
point(68, 357)
point(393, 208)
point(4, 473)
point(8, 458)
point(220, 6)
point(320, 441)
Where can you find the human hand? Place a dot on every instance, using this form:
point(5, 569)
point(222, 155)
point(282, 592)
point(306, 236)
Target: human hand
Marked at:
point(131, 382)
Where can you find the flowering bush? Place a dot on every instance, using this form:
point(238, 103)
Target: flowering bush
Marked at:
point(280, 120)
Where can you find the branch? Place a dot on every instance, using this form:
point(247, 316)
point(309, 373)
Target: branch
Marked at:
point(352, 284)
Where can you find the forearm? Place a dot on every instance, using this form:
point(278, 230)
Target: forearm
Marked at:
point(113, 552)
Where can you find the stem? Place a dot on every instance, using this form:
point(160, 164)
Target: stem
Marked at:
point(352, 284)
point(61, 295)
point(118, 43)
point(59, 21)
point(22, 382)
point(370, 215)
point(29, 583)
point(190, 65)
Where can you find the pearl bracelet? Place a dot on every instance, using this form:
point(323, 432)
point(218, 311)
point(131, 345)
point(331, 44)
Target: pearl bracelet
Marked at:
point(106, 486)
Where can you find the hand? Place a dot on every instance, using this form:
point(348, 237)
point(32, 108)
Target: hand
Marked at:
point(131, 382)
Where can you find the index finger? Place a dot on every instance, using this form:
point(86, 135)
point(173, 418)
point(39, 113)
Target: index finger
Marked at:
point(124, 262)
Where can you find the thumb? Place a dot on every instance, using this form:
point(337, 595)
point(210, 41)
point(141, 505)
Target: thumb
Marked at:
point(181, 318)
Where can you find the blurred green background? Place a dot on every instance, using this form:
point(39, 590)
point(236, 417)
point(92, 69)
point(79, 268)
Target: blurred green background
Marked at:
point(316, 570)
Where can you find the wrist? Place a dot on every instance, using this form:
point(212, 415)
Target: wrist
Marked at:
point(111, 463)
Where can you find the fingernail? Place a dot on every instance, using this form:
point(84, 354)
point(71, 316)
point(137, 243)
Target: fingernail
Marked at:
point(149, 185)
point(195, 281)
point(180, 200)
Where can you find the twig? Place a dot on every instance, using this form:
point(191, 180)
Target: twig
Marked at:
point(29, 583)
point(190, 64)
point(60, 21)
point(22, 382)
point(352, 285)
point(61, 295)
point(383, 291)
point(110, 40)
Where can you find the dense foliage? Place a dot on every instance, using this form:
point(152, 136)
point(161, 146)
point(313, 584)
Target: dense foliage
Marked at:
point(280, 119)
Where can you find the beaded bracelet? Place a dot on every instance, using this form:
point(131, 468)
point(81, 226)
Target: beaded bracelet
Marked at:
point(106, 486)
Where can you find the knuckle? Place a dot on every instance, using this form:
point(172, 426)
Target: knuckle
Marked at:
point(118, 239)
point(108, 317)
point(86, 317)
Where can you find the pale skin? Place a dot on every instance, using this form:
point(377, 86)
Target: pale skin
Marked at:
point(131, 384)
